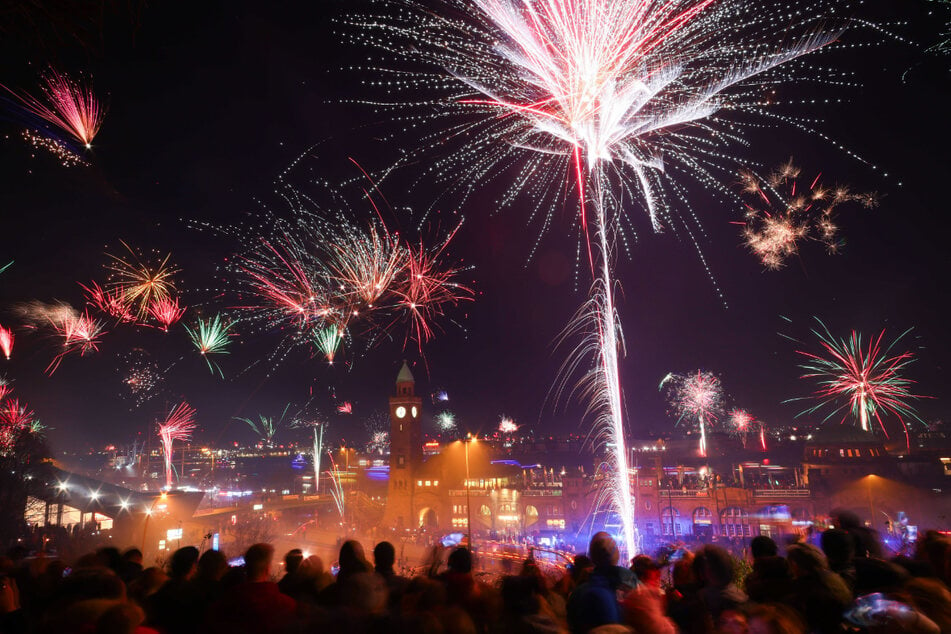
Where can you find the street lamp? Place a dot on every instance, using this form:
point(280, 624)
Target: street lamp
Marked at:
point(148, 516)
point(468, 440)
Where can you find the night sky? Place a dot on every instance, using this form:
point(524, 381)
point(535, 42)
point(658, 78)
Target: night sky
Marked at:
point(209, 104)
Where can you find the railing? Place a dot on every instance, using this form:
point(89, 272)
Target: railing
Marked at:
point(781, 493)
point(680, 494)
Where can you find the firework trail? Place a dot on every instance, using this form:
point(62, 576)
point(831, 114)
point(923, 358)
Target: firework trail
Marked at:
point(696, 396)
point(5, 388)
point(111, 302)
point(179, 425)
point(166, 311)
point(70, 106)
point(507, 425)
point(79, 332)
point(142, 283)
point(441, 396)
point(336, 490)
point(446, 421)
point(211, 336)
point(864, 380)
point(619, 97)
point(266, 426)
point(6, 341)
point(782, 211)
point(318, 452)
point(345, 408)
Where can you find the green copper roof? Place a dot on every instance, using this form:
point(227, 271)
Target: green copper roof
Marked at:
point(405, 376)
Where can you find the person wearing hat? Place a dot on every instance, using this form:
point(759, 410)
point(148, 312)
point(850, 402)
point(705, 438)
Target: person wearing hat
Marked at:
point(644, 607)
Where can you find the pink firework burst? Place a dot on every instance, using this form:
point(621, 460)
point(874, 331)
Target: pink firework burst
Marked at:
point(345, 408)
point(741, 421)
point(166, 311)
point(507, 425)
point(111, 302)
point(696, 396)
point(179, 425)
point(80, 332)
point(429, 289)
point(6, 341)
point(70, 106)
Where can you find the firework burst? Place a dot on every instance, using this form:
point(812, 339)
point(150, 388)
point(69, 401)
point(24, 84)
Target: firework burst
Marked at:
point(142, 282)
point(141, 377)
point(696, 397)
point(70, 106)
point(178, 425)
point(782, 211)
point(446, 422)
point(211, 337)
point(111, 302)
point(319, 278)
point(166, 311)
point(327, 340)
point(79, 332)
point(507, 425)
point(266, 426)
point(861, 379)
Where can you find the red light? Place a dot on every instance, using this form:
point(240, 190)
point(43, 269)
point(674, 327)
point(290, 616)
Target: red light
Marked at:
point(766, 461)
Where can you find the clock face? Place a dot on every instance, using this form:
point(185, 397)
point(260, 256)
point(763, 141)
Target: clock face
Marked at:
point(400, 411)
point(413, 411)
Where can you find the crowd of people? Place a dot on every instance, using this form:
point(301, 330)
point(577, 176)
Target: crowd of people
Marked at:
point(841, 585)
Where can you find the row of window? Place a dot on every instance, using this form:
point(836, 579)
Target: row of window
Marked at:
point(427, 483)
point(872, 452)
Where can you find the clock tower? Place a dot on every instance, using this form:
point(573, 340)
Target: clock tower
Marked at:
point(406, 451)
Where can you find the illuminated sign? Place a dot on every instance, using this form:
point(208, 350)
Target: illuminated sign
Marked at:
point(173, 533)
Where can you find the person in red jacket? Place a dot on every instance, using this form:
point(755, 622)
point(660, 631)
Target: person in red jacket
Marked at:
point(257, 605)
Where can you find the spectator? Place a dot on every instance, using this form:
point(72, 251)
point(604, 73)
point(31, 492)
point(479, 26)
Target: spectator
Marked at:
point(718, 591)
point(352, 562)
point(207, 587)
point(864, 539)
point(173, 608)
point(819, 594)
point(644, 607)
point(770, 580)
point(130, 567)
point(384, 557)
point(839, 549)
point(256, 606)
point(594, 602)
point(684, 604)
point(291, 580)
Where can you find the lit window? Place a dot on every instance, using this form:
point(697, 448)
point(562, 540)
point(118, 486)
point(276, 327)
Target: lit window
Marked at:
point(419, 483)
point(435, 483)
point(429, 483)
